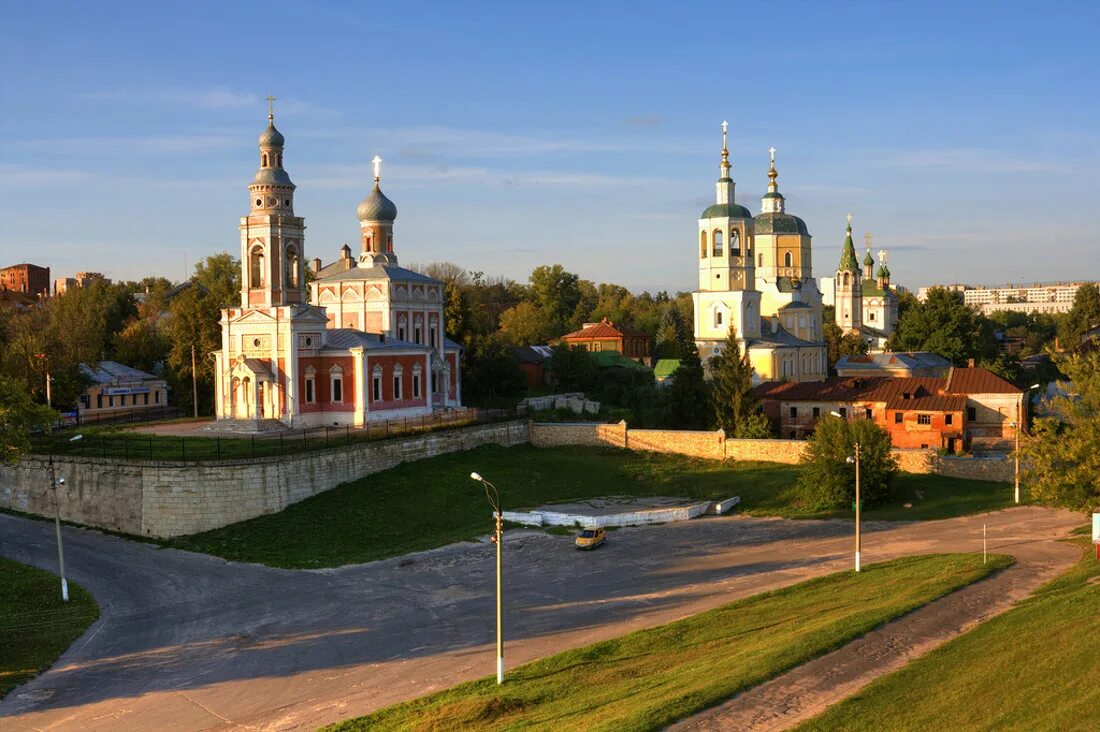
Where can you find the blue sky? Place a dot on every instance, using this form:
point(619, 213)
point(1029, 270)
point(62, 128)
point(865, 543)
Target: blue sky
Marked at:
point(966, 136)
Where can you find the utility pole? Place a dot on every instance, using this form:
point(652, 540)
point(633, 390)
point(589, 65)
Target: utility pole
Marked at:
point(194, 383)
point(498, 539)
point(858, 547)
point(57, 527)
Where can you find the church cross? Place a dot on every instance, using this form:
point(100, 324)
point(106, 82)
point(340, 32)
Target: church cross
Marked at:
point(849, 219)
point(772, 151)
point(882, 256)
point(270, 107)
point(867, 238)
point(377, 161)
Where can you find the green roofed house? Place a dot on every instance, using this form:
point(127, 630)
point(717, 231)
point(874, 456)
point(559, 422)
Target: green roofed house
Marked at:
point(613, 359)
point(664, 370)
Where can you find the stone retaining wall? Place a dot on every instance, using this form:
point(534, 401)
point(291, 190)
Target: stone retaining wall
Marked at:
point(715, 446)
point(164, 499)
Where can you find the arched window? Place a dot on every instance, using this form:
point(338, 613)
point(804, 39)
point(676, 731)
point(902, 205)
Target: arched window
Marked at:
point(418, 330)
point(256, 267)
point(788, 259)
point(336, 377)
point(376, 383)
point(735, 244)
point(761, 262)
point(292, 267)
point(717, 317)
point(279, 159)
point(845, 279)
point(717, 249)
point(416, 381)
point(263, 161)
point(311, 385)
point(402, 328)
point(702, 245)
point(397, 382)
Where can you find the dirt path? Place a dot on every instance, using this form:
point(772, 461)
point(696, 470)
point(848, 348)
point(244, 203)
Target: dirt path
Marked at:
point(805, 692)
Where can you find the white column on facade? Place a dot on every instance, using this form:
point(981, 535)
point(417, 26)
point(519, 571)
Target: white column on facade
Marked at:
point(360, 370)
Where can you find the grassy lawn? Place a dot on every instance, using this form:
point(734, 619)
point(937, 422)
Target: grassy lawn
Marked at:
point(36, 626)
point(1032, 668)
point(433, 502)
point(650, 678)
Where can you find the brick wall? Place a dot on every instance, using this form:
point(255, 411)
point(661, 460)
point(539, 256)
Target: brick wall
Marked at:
point(165, 499)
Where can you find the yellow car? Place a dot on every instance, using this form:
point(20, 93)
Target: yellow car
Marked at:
point(591, 538)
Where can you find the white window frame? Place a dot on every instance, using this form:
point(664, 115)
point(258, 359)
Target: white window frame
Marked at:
point(309, 391)
point(376, 383)
point(398, 383)
point(416, 381)
point(336, 375)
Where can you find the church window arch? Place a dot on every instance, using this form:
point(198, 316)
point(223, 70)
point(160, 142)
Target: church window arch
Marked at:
point(735, 244)
point(417, 375)
point(263, 161)
point(292, 267)
point(716, 250)
point(702, 245)
point(402, 328)
point(376, 383)
point(398, 382)
point(336, 379)
point(788, 259)
point(418, 330)
point(845, 278)
point(279, 159)
point(256, 267)
point(310, 385)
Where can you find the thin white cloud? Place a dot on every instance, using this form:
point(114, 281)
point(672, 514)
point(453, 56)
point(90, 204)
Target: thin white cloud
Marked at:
point(361, 176)
point(163, 144)
point(973, 161)
point(23, 175)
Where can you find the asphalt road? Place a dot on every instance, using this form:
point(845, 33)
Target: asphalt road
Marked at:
point(190, 642)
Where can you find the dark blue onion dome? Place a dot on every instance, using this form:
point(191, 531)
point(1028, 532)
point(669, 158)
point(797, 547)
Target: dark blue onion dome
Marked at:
point(376, 207)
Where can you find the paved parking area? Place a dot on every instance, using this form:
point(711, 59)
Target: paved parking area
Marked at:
point(193, 642)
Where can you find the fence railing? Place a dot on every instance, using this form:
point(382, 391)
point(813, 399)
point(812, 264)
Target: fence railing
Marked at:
point(122, 416)
point(239, 447)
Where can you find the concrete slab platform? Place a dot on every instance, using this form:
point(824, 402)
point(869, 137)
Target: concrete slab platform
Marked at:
point(619, 511)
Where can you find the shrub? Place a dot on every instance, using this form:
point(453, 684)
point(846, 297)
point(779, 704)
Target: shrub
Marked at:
point(827, 480)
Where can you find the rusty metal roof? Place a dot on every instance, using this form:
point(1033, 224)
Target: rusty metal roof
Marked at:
point(976, 380)
point(605, 329)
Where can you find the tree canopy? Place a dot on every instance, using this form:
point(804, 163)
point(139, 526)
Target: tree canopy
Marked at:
point(827, 480)
point(943, 324)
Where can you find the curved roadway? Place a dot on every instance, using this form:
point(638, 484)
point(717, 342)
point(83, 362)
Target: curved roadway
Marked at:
point(192, 642)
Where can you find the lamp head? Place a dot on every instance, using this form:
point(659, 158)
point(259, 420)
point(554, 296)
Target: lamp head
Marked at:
point(61, 481)
point(1033, 386)
point(476, 476)
point(849, 459)
point(76, 437)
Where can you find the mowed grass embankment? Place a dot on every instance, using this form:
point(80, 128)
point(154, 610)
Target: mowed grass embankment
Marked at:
point(433, 502)
point(650, 678)
point(36, 625)
point(1032, 668)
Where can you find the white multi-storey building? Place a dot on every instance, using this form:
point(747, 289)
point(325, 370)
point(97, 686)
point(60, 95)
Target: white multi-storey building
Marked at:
point(1035, 297)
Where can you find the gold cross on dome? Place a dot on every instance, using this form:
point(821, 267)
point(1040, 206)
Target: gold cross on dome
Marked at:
point(270, 107)
point(868, 239)
point(377, 161)
point(772, 151)
point(849, 219)
point(882, 256)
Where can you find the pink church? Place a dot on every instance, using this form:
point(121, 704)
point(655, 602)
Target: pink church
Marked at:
point(366, 343)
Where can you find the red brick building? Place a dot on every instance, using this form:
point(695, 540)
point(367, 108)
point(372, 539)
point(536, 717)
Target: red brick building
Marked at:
point(606, 336)
point(970, 407)
point(28, 278)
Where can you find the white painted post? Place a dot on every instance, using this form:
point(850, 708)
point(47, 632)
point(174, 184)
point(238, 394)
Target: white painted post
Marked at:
point(984, 544)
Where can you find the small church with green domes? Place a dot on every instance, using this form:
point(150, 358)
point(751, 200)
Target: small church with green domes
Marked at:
point(865, 302)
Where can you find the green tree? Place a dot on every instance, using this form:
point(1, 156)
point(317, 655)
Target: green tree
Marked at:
point(490, 374)
point(525, 325)
point(943, 324)
point(689, 404)
point(671, 335)
point(142, 345)
point(195, 321)
point(556, 294)
point(573, 369)
point(1084, 314)
point(19, 415)
point(1061, 459)
point(731, 390)
point(456, 312)
point(838, 343)
point(827, 480)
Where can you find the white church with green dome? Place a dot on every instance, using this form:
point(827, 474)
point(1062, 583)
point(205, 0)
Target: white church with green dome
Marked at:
point(865, 302)
point(755, 275)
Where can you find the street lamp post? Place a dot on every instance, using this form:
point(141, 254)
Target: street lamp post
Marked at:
point(498, 539)
point(1016, 426)
point(854, 459)
point(55, 483)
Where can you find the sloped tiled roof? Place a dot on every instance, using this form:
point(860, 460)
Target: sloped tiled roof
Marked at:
point(113, 372)
point(908, 360)
point(977, 380)
point(916, 393)
point(605, 329)
point(341, 339)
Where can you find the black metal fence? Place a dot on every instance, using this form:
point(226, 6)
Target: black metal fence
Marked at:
point(144, 414)
point(240, 447)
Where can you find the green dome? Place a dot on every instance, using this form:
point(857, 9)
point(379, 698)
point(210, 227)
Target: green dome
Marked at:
point(780, 223)
point(725, 211)
point(868, 260)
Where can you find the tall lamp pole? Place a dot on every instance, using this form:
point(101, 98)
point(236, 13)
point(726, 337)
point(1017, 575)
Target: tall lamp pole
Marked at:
point(1016, 427)
point(498, 539)
point(854, 459)
point(55, 483)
